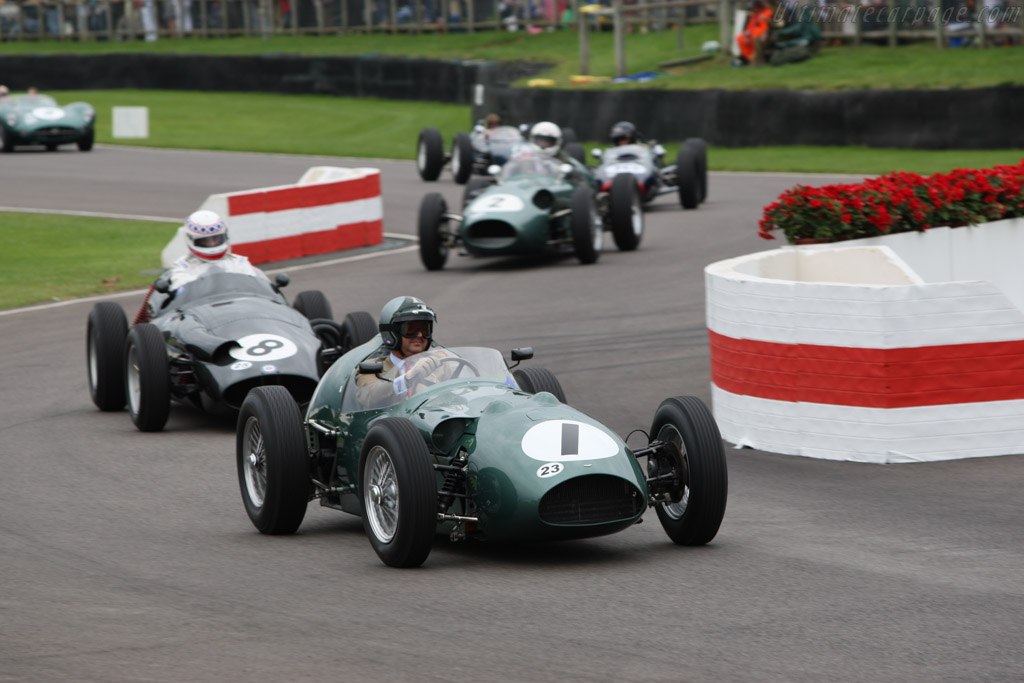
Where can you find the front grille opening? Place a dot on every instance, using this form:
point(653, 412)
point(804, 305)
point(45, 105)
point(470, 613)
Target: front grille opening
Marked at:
point(491, 230)
point(592, 499)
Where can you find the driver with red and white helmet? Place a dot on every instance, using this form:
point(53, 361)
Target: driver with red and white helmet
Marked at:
point(209, 250)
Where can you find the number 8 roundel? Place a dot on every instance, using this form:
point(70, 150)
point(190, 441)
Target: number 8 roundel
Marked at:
point(263, 347)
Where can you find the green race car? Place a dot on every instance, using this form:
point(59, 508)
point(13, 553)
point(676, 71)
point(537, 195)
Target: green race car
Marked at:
point(471, 449)
point(38, 120)
point(533, 204)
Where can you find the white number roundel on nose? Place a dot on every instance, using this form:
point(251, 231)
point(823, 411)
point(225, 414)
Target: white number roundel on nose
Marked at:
point(562, 440)
point(263, 347)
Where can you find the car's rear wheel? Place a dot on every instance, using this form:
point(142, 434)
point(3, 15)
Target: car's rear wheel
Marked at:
point(358, 328)
point(626, 212)
point(433, 250)
point(147, 377)
point(51, 147)
point(7, 137)
point(313, 304)
point(587, 227)
point(536, 380)
point(273, 466)
point(398, 493)
point(85, 143)
point(104, 350)
point(429, 153)
point(688, 426)
point(576, 151)
point(473, 189)
point(702, 164)
point(462, 158)
point(687, 177)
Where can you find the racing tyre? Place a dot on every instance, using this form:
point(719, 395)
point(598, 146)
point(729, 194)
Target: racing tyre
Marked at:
point(626, 212)
point(313, 304)
point(576, 151)
point(273, 468)
point(688, 424)
point(147, 377)
point(331, 348)
point(536, 380)
point(473, 189)
point(688, 177)
point(429, 153)
point(85, 143)
point(587, 228)
point(358, 328)
point(104, 351)
point(702, 164)
point(462, 158)
point(51, 148)
point(7, 138)
point(433, 250)
point(398, 493)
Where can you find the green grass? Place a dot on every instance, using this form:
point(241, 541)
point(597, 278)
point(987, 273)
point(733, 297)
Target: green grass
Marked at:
point(47, 258)
point(915, 66)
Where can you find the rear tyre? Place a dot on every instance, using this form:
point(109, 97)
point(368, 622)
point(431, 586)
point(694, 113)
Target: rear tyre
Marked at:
point(147, 377)
point(7, 137)
point(686, 422)
point(358, 328)
point(687, 177)
point(473, 189)
point(51, 148)
point(702, 164)
point(313, 304)
point(626, 212)
point(85, 143)
point(587, 228)
point(536, 380)
point(433, 251)
point(576, 151)
point(429, 153)
point(273, 467)
point(398, 493)
point(104, 351)
point(462, 158)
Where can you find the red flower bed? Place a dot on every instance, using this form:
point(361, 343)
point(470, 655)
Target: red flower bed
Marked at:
point(896, 202)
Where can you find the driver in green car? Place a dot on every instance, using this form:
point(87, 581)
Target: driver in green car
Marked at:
point(406, 328)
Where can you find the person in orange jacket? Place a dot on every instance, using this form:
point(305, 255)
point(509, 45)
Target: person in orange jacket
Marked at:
point(752, 41)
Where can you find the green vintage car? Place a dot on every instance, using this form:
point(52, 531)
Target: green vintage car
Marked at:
point(533, 204)
point(473, 450)
point(38, 120)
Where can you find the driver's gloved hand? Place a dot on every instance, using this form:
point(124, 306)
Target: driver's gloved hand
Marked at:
point(423, 368)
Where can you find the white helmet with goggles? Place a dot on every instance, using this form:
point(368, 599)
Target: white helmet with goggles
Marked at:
point(547, 136)
point(207, 236)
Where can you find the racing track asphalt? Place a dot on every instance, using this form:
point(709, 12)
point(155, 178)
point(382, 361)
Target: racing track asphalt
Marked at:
point(128, 556)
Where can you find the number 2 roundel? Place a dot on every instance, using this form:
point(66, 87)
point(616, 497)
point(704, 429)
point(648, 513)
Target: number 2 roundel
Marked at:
point(561, 440)
point(263, 347)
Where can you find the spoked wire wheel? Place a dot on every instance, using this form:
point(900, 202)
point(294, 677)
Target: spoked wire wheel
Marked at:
point(381, 492)
point(254, 467)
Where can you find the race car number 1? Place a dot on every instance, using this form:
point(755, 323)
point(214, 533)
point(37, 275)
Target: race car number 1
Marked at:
point(263, 347)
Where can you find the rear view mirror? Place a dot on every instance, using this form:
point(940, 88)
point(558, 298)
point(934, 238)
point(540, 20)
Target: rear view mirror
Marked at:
point(596, 153)
point(524, 353)
point(368, 367)
point(282, 279)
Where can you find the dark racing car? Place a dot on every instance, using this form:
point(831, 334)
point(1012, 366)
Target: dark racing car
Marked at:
point(645, 162)
point(210, 344)
point(473, 451)
point(34, 119)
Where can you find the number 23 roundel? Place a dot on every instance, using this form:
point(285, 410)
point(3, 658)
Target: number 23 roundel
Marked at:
point(263, 347)
point(561, 440)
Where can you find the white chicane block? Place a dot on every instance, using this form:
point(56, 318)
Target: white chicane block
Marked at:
point(851, 353)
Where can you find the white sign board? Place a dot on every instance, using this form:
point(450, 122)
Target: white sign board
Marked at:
point(131, 122)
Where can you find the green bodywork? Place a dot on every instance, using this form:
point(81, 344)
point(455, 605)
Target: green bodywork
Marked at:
point(507, 218)
point(38, 120)
point(487, 420)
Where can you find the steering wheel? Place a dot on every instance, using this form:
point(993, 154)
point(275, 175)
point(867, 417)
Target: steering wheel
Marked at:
point(461, 363)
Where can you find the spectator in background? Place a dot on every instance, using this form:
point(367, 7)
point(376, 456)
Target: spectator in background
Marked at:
point(754, 39)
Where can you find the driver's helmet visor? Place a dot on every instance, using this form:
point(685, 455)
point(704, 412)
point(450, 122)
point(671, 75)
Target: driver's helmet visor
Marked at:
point(545, 140)
point(210, 240)
point(411, 329)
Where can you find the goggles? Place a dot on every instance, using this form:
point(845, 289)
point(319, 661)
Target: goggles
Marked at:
point(210, 241)
point(414, 328)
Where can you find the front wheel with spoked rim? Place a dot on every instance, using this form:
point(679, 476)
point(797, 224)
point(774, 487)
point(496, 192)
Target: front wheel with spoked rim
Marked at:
point(270, 454)
point(398, 493)
point(695, 512)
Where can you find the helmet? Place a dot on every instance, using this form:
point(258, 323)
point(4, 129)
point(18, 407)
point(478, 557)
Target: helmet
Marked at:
point(623, 131)
point(403, 309)
point(547, 136)
point(207, 236)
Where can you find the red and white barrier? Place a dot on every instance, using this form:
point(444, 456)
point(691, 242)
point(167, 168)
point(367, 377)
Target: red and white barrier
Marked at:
point(848, 353)
point(328, 210)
